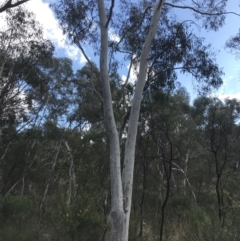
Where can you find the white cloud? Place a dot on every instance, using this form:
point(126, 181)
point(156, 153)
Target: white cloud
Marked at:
point(52, 30)
point(45, 17)
point(124, 77)
point(133, 73)
point(229, 89)
point(227, 96)
point(227, 81)
point(83, 59)
point(113, 36)
point(71, 51)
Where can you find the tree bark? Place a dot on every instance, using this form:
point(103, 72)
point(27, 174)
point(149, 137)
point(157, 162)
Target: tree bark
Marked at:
point(129, 157)
point(117, 213)
point(121, 187)
point(185, 173)
point(72, 177)
point(9, 5)
point(50, 177)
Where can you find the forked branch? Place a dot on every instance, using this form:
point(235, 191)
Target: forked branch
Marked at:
point(200, 12)
point(9, 4)
point(110, 13)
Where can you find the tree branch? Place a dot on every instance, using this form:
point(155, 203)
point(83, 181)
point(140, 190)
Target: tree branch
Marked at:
point(93, 86)
point(132, 27)
point(182, 171)
point(198, 11)
point(9, 4)
point(110, 13)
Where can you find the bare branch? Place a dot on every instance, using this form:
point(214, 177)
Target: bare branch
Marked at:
point(182, 171)
point(58, 148)
point(200, 12)
point(9, 4)
point(3, 156)
point(72, 177)
point(196, 3)
point(85, 55)
point(110, 13)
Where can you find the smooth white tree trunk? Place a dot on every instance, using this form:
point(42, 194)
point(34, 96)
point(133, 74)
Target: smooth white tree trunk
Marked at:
point(117, 213)
point(121, 186)
point(72, 177)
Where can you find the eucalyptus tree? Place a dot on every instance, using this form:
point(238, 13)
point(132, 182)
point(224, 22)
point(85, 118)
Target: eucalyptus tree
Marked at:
point(217, 133)
point(34, 83)
point(23, 50)
point(35, 86)
point(137, 37)
point(88, 108)
point(234, 44)
point(164, 144)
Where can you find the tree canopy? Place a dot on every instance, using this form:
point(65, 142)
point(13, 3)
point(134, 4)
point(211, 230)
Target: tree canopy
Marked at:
point(82, 149)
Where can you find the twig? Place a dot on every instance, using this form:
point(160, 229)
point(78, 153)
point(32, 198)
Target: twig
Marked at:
point(110, 13)
point(83, 52)
point(200, 12)
point(9, 4)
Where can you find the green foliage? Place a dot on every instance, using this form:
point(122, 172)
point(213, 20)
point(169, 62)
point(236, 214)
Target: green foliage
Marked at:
point(12, 206)
point(54, 165)
point(17, 216)
point(83, 220)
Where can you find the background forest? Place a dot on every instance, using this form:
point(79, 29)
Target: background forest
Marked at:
point(54, 150)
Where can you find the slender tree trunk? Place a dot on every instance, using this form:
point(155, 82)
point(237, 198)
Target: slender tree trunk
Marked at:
point(185, 171)
point(23, 186)
point(121, 187)
point(49, 179)
point(72, 177)
point(129, 157)
point(117, 214)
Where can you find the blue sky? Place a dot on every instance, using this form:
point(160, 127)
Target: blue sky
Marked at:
point(226, 60)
